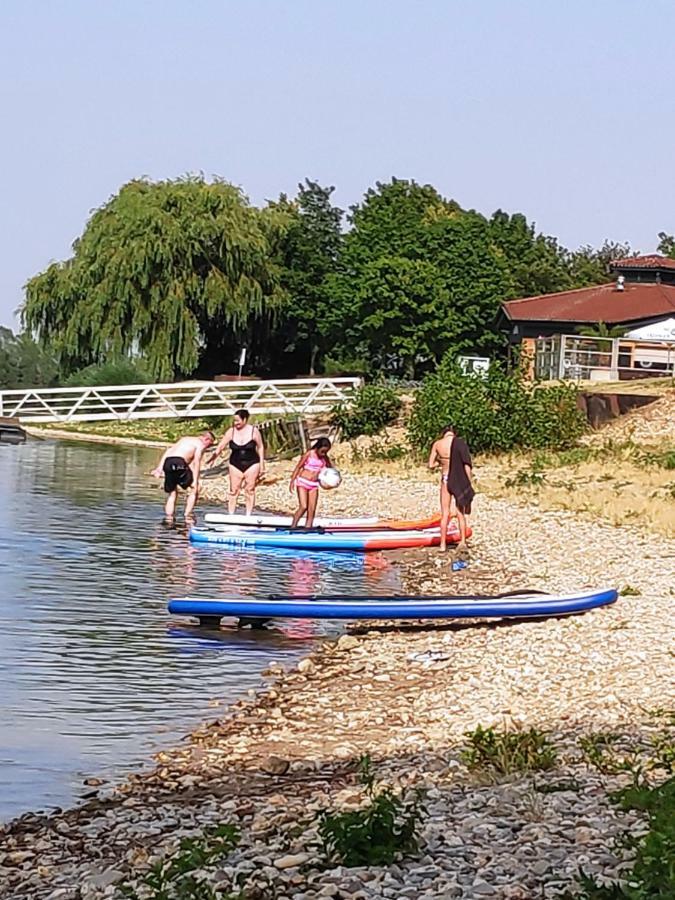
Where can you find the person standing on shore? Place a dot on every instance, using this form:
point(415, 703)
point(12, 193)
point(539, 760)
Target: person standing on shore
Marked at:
point(305, 480)
point(247, 460)
point(180, 466)
point(452, 454)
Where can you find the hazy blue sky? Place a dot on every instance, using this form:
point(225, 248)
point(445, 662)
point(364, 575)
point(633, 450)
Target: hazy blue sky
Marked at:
point(561, 110)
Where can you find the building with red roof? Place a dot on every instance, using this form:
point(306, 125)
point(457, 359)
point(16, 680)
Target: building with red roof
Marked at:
point(642, 292)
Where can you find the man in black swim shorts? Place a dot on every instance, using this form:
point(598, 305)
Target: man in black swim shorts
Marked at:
point(180, 467)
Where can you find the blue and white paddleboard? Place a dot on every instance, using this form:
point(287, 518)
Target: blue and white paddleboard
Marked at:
point(343, 607)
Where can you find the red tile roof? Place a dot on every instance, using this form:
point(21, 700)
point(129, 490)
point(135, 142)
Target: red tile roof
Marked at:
point(601, 303)
point(653, 261)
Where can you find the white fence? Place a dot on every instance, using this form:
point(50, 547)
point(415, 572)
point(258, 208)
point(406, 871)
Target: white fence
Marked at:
point(167, 401)
point(566, 356)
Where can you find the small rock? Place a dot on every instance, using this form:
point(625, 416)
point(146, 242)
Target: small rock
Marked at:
point(305, 666)
point(275, 765)
point(347, 642)
point(104, 879)
point(291, 861)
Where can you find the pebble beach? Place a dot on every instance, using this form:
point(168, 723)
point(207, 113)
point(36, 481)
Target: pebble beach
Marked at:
point(406, 695)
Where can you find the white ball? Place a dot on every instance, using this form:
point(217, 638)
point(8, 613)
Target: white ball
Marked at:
point(329, 479)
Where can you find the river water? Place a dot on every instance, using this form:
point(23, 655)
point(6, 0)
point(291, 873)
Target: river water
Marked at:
point(94, 674)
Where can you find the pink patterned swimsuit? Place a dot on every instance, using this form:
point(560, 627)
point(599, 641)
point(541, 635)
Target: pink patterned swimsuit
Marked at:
point(313, 463)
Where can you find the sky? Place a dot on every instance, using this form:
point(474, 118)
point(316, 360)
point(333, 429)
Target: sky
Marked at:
point(562, 111)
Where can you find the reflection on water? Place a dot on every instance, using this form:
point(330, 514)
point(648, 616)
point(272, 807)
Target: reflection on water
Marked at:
point(94, 676)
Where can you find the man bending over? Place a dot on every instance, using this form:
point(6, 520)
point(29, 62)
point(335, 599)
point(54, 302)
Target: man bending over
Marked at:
point(180, 467)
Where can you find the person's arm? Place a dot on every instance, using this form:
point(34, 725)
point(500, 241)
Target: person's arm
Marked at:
point(158, 471)
point(329, 463)
point(224, 441)
point(299, 467)
point(260, 444)
point(433, 456)
point(196, 467)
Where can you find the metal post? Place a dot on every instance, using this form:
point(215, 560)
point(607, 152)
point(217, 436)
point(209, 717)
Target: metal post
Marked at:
point(561, 359)
point(614, 364)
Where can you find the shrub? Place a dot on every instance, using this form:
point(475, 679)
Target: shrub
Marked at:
point(498, 411)
point(509, 751)
point(370, 409)
point(376, 834)
point(334, 367)
point(176, 877)
point(125, 371)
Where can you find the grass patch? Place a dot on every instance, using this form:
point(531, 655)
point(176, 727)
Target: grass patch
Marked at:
point(509, 752)
point(375, 835)
point(173, 878)
point(629, 591)
point(652, 876)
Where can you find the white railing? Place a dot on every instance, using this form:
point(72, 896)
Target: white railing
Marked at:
point(167, 401)
point(566, 356)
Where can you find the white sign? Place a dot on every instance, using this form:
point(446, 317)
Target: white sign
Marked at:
point(242, 357)
point(474, 365)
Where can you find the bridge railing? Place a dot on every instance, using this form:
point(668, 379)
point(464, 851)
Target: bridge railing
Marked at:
point(297, 396)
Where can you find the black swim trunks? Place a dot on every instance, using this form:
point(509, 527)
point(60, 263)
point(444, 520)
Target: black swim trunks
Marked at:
point(177, 473)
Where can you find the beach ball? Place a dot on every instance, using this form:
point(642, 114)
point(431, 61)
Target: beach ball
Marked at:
point(329, 479)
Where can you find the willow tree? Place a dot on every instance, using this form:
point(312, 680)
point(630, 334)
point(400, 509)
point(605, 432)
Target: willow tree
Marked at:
point(173, 271)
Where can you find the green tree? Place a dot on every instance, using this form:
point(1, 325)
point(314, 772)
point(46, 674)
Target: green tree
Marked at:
point(666, 244)
point(174, 271)
point(310, 252)
point(23, 363)
point(537, 262)
point(601, 330)
point(589, 265)
point(418, 275)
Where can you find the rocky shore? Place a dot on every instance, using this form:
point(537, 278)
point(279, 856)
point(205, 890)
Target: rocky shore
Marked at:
point(405, 695)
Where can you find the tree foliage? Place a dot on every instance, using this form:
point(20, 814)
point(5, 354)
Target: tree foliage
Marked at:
point(175, 271)
point(23, 363)
point(418, 275)
point(310, 253)
point(177, 276)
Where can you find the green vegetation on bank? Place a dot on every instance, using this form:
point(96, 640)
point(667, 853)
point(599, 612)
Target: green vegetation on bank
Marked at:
point(182, 273)
point(499, 411)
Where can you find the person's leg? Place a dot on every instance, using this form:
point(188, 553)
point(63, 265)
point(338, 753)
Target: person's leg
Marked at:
point(312, 500)
point(250, 478)
point(302, 506)
point(445, 515)
point(170, 505)
point(236, 481)
point(461, 518)
point(190, 502)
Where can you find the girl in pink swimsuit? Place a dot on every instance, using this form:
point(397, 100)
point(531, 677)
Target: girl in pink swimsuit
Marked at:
point(305, 479)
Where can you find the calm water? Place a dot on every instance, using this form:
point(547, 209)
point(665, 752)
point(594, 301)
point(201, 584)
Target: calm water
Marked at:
point(94, 675)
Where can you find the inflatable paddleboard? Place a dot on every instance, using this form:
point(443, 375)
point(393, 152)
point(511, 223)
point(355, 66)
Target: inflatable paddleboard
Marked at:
point(371, 523)
point(333, 539)
point(269, 521)
point(342, 607)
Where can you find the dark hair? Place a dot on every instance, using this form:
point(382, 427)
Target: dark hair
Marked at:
point(321, 442)
point(242, 413)
point(448, 429)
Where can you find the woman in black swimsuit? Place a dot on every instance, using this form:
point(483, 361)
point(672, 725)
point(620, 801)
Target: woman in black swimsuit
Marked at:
point(247, 459)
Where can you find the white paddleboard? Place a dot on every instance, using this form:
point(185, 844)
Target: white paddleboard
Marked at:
point(285, 521)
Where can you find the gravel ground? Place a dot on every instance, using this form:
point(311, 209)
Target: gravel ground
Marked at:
point(405, 695)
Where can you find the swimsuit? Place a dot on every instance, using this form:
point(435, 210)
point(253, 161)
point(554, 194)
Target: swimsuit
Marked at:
point(177, 473)
point(315, 464)
point(243, 456)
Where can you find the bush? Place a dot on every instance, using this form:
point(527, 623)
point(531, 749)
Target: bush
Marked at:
point(126, 371)
point(498, 411)
point(376, 834)
point(371, 408)
point(333, 367)
point(509, 751)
